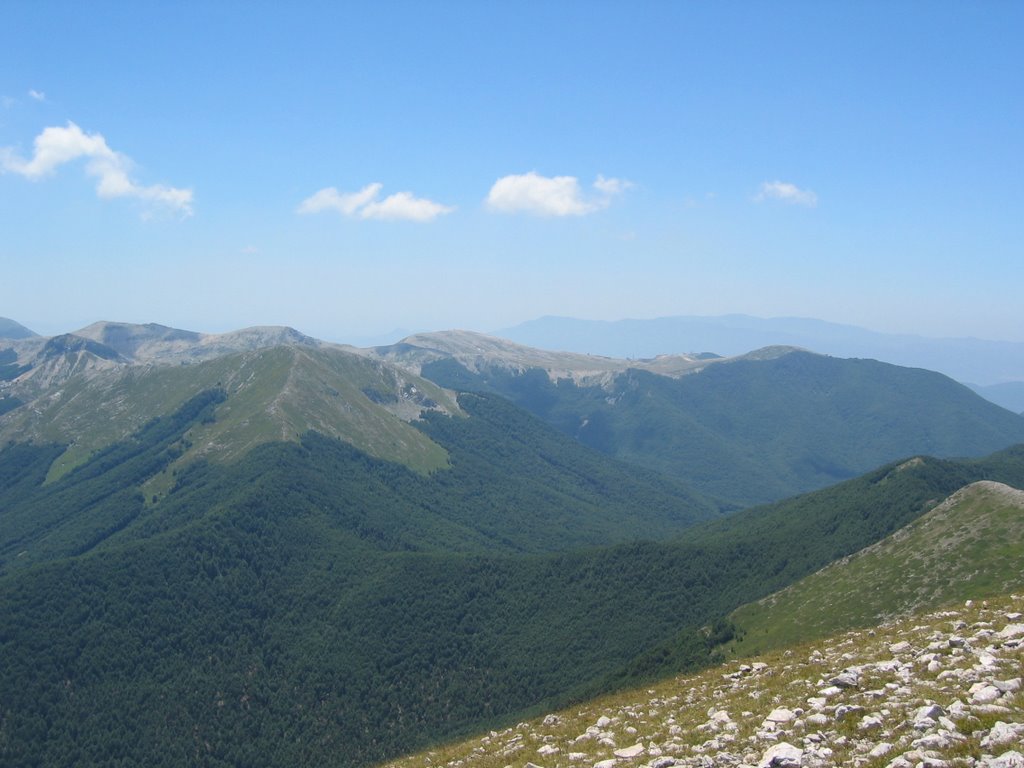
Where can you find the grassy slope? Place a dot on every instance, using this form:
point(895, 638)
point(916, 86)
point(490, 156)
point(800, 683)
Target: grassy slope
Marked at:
point(971, 545)
point(275, 394)
point(674, 718)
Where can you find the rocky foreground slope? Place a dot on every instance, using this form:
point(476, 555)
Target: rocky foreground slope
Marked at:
point(943, 689)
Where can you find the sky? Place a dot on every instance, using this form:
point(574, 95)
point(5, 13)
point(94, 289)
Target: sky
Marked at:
point(353, 168)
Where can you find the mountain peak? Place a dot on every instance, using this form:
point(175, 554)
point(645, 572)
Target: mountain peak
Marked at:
point(9, 329)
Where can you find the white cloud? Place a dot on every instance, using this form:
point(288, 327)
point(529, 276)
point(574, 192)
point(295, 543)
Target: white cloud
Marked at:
point(611, 187)
point(344, 203)
point(36, 95)
point(551, 195)
point(365, 205)
point(787, 193)
point(56, 146)
point(402, 205)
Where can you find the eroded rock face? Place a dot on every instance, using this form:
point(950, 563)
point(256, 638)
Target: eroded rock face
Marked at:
point(935, 691)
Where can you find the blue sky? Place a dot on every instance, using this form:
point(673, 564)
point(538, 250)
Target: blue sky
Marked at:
point(349, 169)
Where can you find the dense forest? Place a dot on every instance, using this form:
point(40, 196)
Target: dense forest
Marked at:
point(750, 431)
point(313, 605)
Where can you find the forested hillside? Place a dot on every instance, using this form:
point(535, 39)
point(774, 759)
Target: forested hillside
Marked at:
point(310, 604)
point(754, 430)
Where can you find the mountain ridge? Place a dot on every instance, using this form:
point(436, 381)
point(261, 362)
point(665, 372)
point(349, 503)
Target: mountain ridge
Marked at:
point(970, 545)
point(747, 429)
point(981, 361)
point(279, 392)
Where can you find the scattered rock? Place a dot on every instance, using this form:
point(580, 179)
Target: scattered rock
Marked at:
point(882, 707)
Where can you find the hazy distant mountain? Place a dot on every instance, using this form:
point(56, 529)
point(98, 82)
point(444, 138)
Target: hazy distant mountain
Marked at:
point(477, 351)
point(964, 359)
point(12, 330)
point(152, 342)
point(1009, 395)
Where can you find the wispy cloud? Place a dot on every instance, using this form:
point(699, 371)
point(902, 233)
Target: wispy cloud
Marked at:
point(551, 195)
point(56, 146)
point(36, 95)
point(787, 193)
point(364, 204)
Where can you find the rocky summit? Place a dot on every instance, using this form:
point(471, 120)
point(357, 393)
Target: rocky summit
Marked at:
point(932, 691)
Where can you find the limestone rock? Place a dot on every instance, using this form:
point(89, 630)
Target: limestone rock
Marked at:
point(1011, 759)
point(782, 755)
point(846, 679)
point(929, 713)
point(1003, 733)
point(780, 715)
point(628, 753)
point(881, 749)
point(1010, 630)
point(983, 693)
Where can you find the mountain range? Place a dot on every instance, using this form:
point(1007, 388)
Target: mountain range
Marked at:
point(259, 548)
point(968, 360)
point(747, 429)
